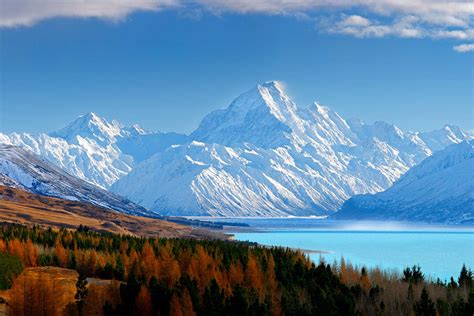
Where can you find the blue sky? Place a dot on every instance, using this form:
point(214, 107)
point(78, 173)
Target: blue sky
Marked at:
point(167, 68)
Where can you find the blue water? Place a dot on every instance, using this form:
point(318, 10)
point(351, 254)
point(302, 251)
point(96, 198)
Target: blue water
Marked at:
point(439, 250)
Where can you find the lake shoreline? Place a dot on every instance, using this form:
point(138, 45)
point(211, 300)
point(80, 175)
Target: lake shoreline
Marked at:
point(440, 251)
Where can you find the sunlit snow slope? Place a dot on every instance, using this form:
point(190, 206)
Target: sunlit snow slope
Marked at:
point(264, 156)
point(93, 149)
point(261, 156)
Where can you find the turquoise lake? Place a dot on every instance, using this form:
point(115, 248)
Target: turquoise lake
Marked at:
point(439, 250)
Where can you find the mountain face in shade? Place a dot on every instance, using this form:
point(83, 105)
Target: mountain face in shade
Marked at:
point(439, 189)
point(264, 156)
point(22, 169)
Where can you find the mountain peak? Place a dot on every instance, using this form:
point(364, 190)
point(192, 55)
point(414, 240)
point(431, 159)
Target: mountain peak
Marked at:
point(270, 95)
point(454, 129)
point(273, 84)
point(262, 113)
point(134, 130)
point(389, 128)
point(89, 125)
point(90, 116)
point(440, 138)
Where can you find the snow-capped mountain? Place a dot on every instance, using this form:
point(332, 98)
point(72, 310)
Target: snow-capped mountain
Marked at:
point(22, 169)
point(92, 127)
point(93, 149)
point(439, 189)
point(261, 156)
point(264, 156)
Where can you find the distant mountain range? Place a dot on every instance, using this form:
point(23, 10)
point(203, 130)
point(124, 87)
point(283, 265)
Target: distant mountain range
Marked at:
point(261, 156)
point(439, 189)
point(264, 156)
point(93, 149)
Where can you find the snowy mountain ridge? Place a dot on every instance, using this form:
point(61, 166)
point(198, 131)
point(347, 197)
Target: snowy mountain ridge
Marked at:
point(20, 168)
point(439, 189)
point(93, 149)
point(91, 126)
point(264, 156)
point(261, 156)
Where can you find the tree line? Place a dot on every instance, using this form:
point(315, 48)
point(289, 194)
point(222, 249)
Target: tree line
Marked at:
point(157, 276)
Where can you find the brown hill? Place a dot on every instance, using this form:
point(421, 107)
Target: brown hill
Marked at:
point(22, 207)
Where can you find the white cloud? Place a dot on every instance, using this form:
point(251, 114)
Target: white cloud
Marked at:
point(356, 20)
point(15, 13)
point(440, 19)
point(440, 12)
point(464, 48)
point(362, 27)
point(405, 27)
point(410, 32)
point(436, 12)
point(455, 34)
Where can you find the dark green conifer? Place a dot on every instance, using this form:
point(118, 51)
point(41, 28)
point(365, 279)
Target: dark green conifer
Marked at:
point(425, 306)
point(81, 293)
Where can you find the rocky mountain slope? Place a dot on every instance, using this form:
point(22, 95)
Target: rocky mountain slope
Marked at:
point(20, 168)
point(439, 189)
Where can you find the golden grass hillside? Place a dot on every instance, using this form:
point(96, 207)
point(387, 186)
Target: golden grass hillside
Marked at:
point(22, 207)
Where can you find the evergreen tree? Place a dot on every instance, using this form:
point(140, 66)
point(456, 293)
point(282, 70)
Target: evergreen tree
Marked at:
point(470, 303)
point(465, 277)
point(129, 291)
point(213, 301)
point(458, 307)
point(413, 275)
point(425, 306)
point(160, 296)
point(81, 292)
point(452, 284)
point(119, 271)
